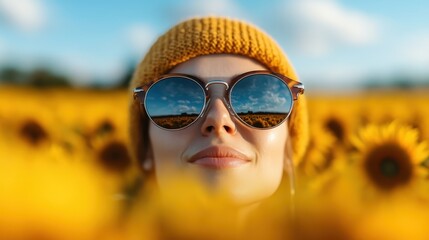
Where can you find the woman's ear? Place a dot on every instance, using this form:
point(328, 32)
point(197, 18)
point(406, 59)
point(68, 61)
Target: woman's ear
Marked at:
point(147, 165)
point(148, 161)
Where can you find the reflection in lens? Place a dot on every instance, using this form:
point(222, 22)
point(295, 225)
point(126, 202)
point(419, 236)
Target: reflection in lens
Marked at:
point(261, 100)
point(174, 102)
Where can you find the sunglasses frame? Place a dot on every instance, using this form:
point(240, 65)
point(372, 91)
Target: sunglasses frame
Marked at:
point(295, 87)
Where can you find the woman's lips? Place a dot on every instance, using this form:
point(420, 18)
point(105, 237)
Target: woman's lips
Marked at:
point(218, 157)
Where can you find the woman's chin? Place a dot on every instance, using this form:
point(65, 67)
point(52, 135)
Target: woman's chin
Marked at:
point(237, 186)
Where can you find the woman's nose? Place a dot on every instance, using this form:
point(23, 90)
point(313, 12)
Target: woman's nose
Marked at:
point(217, 119)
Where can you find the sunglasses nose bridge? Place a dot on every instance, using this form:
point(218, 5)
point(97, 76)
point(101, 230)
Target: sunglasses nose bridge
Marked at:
point(220, 93)
point(218, 89)
point(213, 82)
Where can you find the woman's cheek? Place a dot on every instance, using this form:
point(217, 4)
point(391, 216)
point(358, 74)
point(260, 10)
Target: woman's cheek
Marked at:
point(272, 141)
point(168, 146)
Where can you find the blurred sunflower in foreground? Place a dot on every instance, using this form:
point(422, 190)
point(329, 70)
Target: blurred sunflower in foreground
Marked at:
point(390, 157)
point(45, 200)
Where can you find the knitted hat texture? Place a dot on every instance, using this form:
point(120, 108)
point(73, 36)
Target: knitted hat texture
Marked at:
point(214, 35)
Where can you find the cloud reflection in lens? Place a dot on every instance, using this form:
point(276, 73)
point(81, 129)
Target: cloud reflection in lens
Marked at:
point(174, 102)
point(261, 100)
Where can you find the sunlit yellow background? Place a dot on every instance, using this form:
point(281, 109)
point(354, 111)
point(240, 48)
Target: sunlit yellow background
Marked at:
point(65, 166)
point(67, 173)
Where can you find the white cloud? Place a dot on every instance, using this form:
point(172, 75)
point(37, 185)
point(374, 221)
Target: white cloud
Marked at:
point(140, 37)
point(340, 76)
point(318, 26)
point(192, 8)
point(415, 50)
point(26, 15)
point(185, 109)
point(83, 71)
point(183, 101)
point(214, 7)
point(274, 98)
point(2, 48)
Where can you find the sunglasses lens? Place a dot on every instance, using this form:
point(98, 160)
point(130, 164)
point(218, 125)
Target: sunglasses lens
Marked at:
point(261, 100)
point(174, 102)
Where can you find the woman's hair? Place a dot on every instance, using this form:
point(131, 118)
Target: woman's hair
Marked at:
point(212, 35)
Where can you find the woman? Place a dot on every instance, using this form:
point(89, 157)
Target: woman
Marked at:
point(217, 97)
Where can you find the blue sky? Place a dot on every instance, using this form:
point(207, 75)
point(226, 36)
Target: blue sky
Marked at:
point(331, 43)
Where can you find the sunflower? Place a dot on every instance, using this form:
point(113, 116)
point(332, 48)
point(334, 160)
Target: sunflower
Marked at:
point(33, 132)
point(339, 120)
point(114, 156)
point(320, 153)
point(41, 200)
point(111, 155)
point(389, 156)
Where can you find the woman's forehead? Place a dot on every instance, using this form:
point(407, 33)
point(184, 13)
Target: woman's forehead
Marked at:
point(217, 66)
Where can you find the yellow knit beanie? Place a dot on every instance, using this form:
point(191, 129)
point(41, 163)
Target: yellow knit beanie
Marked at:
point(213, 35)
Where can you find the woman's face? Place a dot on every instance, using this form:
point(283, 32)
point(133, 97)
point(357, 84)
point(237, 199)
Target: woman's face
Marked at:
point(247, 164)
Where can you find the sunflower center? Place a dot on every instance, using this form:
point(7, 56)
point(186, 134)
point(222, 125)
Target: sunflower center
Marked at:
point(33, 132)
point(389, 166)
point(336, 128)
point(114, 157)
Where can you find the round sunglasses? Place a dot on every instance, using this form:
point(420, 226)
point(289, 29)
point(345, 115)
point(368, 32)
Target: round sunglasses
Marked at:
point(259, 99)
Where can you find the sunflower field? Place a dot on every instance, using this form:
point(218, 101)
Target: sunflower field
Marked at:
point(66, 173)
